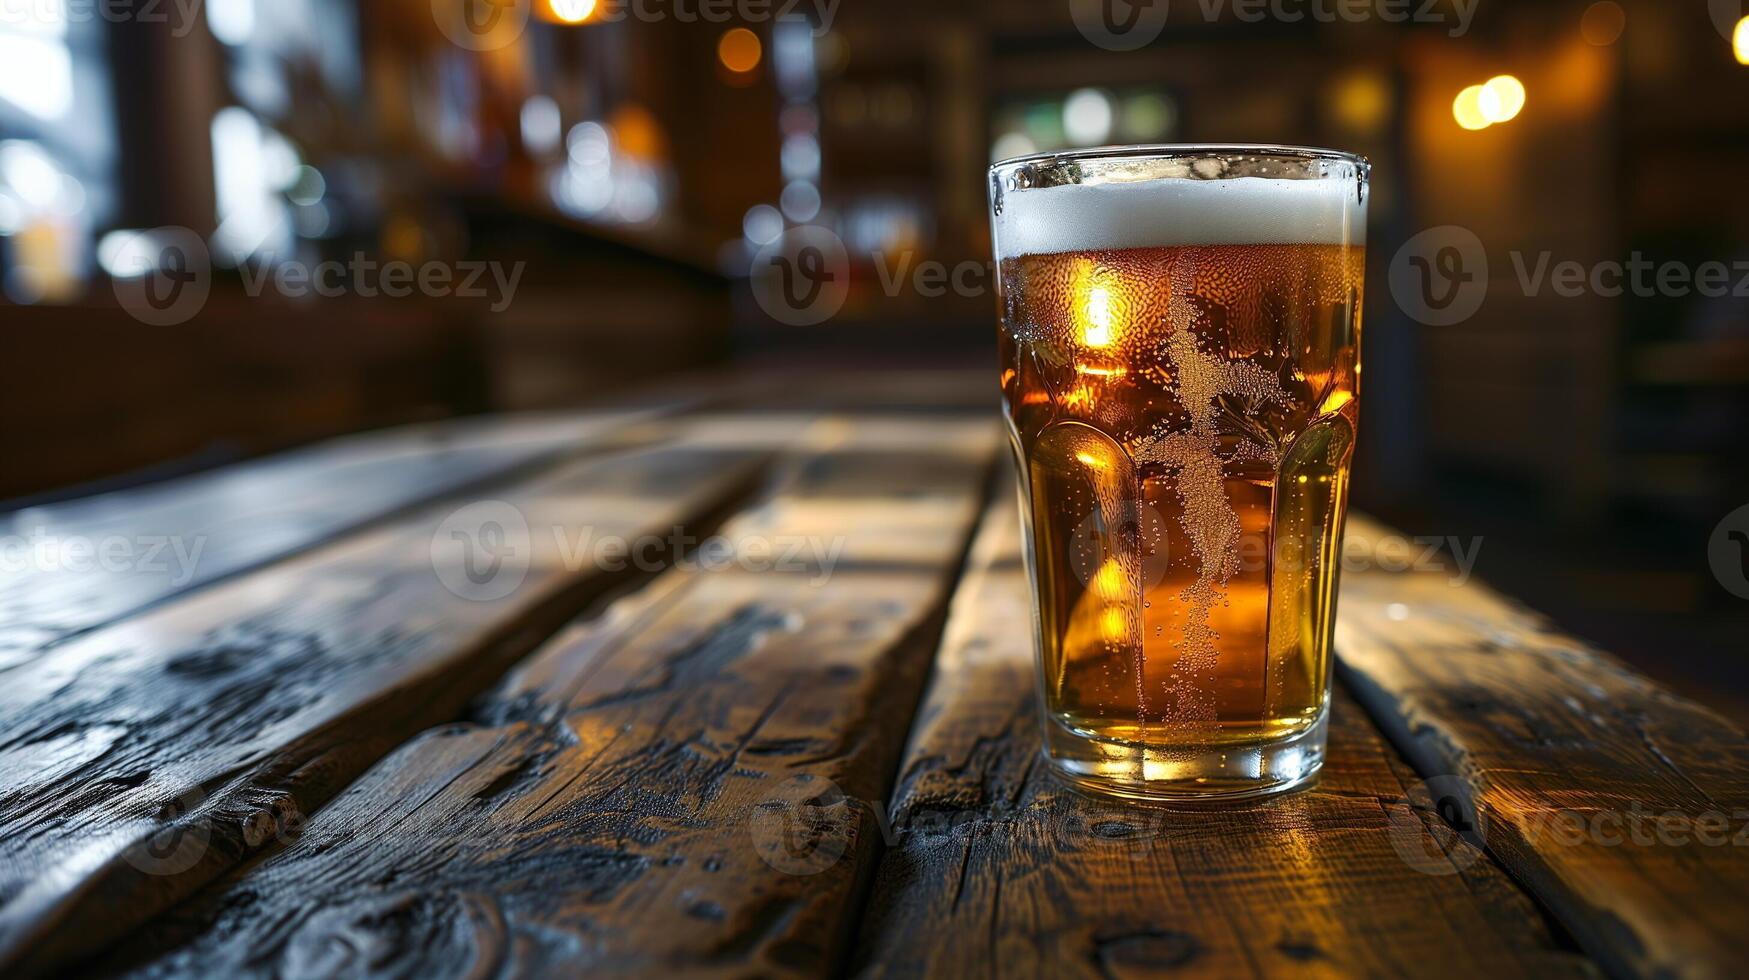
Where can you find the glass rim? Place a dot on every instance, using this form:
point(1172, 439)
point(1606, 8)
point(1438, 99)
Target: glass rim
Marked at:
point(1185, 151)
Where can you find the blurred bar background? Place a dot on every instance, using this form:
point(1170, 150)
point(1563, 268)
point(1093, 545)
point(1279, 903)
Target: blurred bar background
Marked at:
point(638, 163)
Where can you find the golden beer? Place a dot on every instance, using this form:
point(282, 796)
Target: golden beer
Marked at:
point(1180, 366)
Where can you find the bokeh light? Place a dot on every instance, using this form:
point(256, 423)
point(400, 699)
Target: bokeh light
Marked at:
point(739, 50)
point(1602, 23)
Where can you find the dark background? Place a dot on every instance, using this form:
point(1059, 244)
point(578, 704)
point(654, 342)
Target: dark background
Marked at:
point(636, 166)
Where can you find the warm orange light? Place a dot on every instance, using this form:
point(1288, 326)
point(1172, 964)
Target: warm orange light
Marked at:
point(1468, 110)
point(1362, 101)
point(1503, 97)
point(1602, 23)
point(1498, 100)
point(1740, 41)
point(739, 50)
point(569, 11)
point(637, 134)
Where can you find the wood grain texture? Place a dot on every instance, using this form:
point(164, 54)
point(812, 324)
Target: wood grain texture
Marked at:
point(1623, 807)
point(182, 534)
point(1000, 870)
point(141, 760)
point(672, 788)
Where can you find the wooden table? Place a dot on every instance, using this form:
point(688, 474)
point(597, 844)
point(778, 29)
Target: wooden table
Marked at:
point(805, 746)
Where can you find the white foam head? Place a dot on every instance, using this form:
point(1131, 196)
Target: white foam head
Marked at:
point(1159, 213)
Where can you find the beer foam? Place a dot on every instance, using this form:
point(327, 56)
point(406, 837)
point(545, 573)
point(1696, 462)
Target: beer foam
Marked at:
point(1161, 213)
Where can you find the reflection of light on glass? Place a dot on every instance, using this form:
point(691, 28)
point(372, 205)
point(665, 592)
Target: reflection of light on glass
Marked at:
point(1096, 323)
point(231, 21)
point(1088, 459)
point(1012, 145)
point(541, 126)
point(762, 224)
point(1092, 305)
point(1502, 98)
point(1101, 372)
point(800, 201)
point(1108, 583)
point(739, 50)
point(1087, 116)
point(1740, 41)
point(1114, 626)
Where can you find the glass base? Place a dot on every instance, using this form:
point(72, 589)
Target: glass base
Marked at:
point(1187, 773)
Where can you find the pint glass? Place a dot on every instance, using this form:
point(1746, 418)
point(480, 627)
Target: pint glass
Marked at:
point(1180, 351)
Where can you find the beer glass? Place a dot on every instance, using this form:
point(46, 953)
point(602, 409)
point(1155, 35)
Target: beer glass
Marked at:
point(1180, 348)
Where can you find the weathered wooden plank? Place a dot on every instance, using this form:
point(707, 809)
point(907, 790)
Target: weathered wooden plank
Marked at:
point(618, 810)
point(999, 869)
point(89, 562)
point(1623, 807)
point(141, 760)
